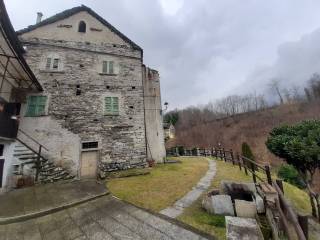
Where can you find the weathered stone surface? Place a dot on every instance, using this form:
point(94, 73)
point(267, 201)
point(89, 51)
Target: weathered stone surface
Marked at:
point(207, 204)
point(222, 205)
point(259, 204)
point(245, 209)
point(242, 229)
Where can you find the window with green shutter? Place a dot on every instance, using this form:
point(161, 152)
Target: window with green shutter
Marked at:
point(111, 106)
point(36, 106)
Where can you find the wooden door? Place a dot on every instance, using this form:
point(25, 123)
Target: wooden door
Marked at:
point(89, 162)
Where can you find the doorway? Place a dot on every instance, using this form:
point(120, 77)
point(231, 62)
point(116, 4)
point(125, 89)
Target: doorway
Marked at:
point(89, 163)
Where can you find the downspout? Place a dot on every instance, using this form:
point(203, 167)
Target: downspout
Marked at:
point(143, 67)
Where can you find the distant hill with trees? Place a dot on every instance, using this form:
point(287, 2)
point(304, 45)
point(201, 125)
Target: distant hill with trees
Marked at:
point(235, 120)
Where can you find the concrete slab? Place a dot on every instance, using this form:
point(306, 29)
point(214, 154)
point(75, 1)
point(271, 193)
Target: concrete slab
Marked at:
point(245, 209)
point(27, 203)
point(102, 218)
point(222, 205)
point(242, 229)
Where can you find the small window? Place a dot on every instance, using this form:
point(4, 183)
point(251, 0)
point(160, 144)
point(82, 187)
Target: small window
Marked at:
point(36, 106)
point(82, 27)
point(90, 145)
point(52, 64)
point(111, 106)
point(108, 67)
point(55, 63)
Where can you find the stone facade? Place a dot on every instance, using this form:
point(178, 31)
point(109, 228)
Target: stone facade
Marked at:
point(77, 88)
point(153, 112)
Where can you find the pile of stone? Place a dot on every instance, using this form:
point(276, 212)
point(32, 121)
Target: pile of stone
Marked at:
point(241, 203)
point(234, 199)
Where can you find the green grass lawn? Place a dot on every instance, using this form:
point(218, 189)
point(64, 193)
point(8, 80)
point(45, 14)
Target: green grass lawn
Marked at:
point(165, 184)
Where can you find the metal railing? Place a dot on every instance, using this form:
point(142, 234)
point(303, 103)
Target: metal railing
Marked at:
point(38, 152)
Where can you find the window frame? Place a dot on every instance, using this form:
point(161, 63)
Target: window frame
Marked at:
point(107, 65)
point(39, 104)
point(114, 106)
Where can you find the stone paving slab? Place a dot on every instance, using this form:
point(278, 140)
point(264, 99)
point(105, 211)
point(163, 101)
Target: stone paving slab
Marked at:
point(39, 200)
point(102, 218)
point(193, 195)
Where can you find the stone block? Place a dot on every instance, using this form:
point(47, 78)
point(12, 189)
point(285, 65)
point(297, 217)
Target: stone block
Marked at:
point(259, 204)
point(207, 204)
point(246, 209)
point(242, 229)
point(222, 205)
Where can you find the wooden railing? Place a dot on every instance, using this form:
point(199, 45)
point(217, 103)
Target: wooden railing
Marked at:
point(260, 173)
point(248, 165)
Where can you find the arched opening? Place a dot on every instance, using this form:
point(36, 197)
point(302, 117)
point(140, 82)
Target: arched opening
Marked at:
point(82, 27)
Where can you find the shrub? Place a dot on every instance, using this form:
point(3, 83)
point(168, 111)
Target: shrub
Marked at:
point(289, 174)
point(246, 151)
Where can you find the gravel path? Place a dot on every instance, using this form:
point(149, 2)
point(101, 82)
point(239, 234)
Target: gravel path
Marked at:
point(204, 183)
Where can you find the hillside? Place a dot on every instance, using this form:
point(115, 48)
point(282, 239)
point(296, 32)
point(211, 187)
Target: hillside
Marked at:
point(252, 128)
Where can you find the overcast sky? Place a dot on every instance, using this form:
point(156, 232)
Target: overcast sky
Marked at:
point(208, 49)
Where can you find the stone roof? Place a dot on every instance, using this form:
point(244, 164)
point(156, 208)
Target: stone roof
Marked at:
point(75, 10)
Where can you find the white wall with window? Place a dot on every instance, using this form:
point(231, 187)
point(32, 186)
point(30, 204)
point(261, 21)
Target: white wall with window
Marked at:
point(52, 62)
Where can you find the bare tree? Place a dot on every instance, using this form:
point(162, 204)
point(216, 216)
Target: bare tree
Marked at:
point(275, 87)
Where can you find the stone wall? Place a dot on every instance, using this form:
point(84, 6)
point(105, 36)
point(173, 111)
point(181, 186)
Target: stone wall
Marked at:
point(153, 111)
point(121, 138)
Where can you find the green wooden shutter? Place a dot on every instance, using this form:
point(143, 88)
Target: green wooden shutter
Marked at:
point(115, 105)
point(48, 63)
point(41, 105)
point(36, 106)
point(111, 106)
point(111, 67)
point(31, 106)
point(105, 67)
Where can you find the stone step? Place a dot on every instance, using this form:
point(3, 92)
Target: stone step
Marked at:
point(24, 154)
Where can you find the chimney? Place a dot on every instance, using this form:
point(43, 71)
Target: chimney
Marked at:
point(39, 16)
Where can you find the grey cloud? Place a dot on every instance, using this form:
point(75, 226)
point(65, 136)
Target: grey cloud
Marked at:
point(207, 49)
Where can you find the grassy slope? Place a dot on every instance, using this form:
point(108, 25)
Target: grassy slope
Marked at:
point(213, 224)
point(163, 186)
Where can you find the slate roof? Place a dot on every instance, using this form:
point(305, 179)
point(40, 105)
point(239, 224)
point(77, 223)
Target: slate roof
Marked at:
point(75, 10)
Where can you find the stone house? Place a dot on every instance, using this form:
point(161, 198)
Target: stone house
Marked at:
point(100, 108)
point(169, 131)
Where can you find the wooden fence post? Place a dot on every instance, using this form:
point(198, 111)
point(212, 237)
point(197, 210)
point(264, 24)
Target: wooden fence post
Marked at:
point(239, 162)
point(253, 173)
point(303, 222)
point(267, 168)
point(231, 155)
point(280, 184)
point(245, 166)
